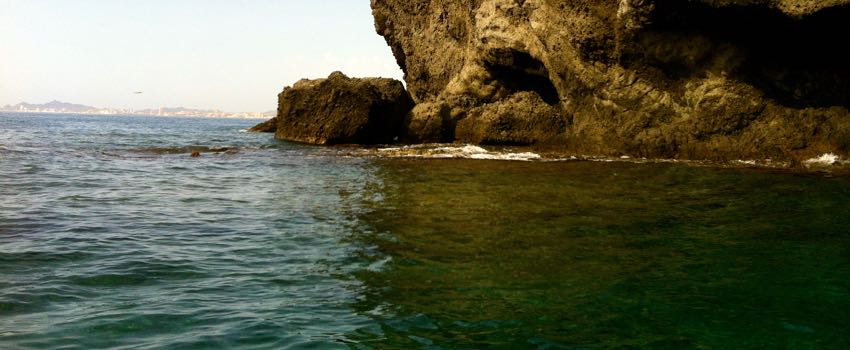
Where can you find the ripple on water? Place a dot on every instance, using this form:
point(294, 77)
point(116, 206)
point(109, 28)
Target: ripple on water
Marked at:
point(136, 245)
point(138, 274)
point(43, 257)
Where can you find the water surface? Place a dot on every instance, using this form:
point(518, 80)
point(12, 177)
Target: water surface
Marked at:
point(112, 236)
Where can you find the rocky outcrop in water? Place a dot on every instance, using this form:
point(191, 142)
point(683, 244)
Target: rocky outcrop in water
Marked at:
point(266, 126)
point(340, 110)
point(701, 79)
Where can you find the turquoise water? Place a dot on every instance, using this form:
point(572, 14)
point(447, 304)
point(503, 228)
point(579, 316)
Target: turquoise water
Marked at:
point(112, 236)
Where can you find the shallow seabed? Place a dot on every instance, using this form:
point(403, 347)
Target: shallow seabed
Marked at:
point(112, 236)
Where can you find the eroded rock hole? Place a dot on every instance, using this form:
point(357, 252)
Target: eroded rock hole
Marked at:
point(799, 62)
point(518, 71)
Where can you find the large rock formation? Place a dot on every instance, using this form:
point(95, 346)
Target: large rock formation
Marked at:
point(340, 110)
point(706, 79)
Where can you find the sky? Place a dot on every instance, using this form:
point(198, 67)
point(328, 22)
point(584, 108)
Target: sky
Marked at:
point(230, 55)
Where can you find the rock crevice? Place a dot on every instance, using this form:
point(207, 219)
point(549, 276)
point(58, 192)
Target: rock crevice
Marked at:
point(707, 79)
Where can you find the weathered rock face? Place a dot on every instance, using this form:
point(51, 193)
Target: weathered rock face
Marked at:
point(340, 110)
point(701, 79)
point(521, 119)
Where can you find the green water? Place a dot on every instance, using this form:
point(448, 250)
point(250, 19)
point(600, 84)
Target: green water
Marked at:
point(113, 237)
point(607, 255)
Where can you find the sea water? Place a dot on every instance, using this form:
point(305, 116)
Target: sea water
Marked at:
point(113, 236)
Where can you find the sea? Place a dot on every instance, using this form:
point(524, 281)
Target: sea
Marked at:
point(112, 236)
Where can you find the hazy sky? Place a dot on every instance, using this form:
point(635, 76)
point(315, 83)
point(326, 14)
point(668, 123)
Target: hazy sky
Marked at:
point(233, 55)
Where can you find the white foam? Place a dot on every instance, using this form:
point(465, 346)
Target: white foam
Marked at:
point(525, 156)
point(465, 151)
point(824, 160)
point(476, 152)
point(468, 149)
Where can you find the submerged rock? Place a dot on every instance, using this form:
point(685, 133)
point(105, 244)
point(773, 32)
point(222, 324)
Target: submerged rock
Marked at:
point(702, 79)
point(340, 110)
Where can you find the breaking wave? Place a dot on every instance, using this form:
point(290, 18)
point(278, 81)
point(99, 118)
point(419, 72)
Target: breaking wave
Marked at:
point(455, 152)
point(827, 159)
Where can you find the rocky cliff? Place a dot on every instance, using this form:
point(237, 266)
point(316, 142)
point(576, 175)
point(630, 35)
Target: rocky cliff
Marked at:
point(705, 79)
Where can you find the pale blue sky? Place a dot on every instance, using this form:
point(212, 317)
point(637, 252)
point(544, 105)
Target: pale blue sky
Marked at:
point(233, 55)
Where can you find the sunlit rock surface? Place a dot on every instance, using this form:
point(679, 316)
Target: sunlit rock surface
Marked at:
point(710, 79)
point(340, 110)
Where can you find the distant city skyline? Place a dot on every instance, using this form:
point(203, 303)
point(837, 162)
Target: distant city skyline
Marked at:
point(233, 56)
point(72, 108)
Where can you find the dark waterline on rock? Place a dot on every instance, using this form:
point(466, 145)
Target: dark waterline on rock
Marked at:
point(111, 235)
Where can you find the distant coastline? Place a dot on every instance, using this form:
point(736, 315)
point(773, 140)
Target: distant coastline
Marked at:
point(136, 114)
point(57, 107)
